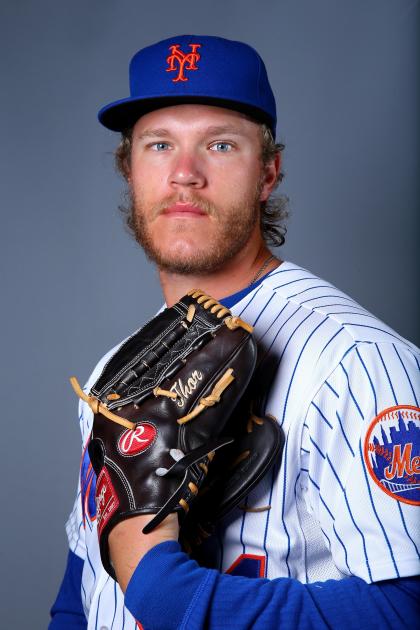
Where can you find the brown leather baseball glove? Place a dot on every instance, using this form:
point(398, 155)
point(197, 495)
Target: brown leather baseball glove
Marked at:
point(161, 406)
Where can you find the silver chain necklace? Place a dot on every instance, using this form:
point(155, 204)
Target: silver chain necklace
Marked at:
point(261, 269)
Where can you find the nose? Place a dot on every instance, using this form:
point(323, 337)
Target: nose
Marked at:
point(187, 171)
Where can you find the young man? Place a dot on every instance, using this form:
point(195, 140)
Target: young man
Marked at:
point(335, 526)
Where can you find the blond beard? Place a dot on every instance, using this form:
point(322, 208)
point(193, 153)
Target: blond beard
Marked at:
point(235, 226)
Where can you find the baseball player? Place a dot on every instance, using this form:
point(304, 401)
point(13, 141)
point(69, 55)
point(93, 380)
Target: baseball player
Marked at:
point(330, 535)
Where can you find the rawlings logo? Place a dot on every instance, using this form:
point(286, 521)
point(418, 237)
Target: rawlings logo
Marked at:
point(185, 61)
point(183, 392)
point(134, 441)
point(391, 452)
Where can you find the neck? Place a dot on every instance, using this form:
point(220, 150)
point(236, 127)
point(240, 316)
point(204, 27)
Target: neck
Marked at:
point(235, 275)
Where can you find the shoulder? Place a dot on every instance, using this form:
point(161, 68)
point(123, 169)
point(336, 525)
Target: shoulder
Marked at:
point(293, 293)
point(305, 327)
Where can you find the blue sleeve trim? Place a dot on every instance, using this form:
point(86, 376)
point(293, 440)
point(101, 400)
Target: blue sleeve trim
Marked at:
point(169, 590)
point(67, 611)
point(163, 588)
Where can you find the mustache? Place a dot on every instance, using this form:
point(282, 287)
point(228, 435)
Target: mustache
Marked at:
point(205, 206)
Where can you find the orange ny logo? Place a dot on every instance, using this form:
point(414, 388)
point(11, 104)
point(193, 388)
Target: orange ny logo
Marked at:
point(177, 56)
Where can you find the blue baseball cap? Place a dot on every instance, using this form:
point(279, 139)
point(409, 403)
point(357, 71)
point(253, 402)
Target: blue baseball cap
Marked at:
point(194, 69)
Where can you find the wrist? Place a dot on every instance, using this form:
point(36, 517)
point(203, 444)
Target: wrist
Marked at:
point(128, 545)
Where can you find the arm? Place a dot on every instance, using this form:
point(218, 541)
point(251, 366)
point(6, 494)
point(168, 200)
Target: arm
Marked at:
point(180, 594)
point(67, 611)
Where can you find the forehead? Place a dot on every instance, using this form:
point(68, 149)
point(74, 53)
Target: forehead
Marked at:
point(198, 119)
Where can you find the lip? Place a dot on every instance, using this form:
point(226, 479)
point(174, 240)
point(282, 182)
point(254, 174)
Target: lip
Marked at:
point(184, 209)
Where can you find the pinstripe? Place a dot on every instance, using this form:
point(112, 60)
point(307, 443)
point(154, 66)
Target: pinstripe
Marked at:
point(274, 321)
point(84, 593)
point(387, 374)
point(281, 270)
point(355, 314)
point(299, 357)
point(351, 393)
point(406, 530)
point(334, 304)
point(382, 330)
point(351, 515)
point(329, 541)
point(319, 286)
point(344, 548)
point(241, 536)
point(332, 389)
point(285, 348)
point(273, 476)
point(322, 297)
point(317, 448)
point(115, 604)
point(282, 508)
point(376, 513)
point(406, 373)
point(79, 533)
point(262, 311)
point(278, 332)
point(346, 352)
point(370, 381)
point(97, 610)
point(343, 432)
point(330, 340)
point(359, 308)
point(303, 534)
point(321, 498)
point(252, 299)
point(90, 564)
point(321, 414)
point(286, 284)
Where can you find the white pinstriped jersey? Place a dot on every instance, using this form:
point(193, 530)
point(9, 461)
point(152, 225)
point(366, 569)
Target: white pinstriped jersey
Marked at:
point(327, 369)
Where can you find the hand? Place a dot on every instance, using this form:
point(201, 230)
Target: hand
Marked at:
point(127, 544)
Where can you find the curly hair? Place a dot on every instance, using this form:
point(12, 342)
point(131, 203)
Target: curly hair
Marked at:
point(274, 211)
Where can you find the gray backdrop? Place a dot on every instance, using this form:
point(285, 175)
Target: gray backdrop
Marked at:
point(345, 75)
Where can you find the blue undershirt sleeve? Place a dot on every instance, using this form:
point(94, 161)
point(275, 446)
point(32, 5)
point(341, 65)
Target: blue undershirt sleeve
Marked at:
point(169, 590)
point(67, 611)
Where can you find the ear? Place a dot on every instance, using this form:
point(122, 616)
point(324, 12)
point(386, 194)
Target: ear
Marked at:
point(270, 176)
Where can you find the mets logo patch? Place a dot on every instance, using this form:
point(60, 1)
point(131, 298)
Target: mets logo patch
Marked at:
point(180, 62)
point(392, 452)
point(135, 441)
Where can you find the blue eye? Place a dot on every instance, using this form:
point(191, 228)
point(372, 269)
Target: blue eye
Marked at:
point(160, 146)
point(221, 147)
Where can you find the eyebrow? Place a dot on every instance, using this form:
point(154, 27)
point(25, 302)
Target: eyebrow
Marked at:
point(222, 129)
point(211, 131)
point(153, 133)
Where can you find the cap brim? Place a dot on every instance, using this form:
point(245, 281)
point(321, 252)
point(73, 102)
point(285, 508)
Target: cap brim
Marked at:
point(123, 114)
